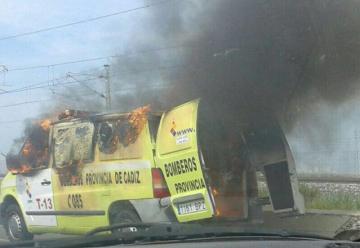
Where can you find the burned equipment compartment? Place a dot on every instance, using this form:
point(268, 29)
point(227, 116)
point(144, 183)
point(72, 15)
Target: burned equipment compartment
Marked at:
point(235, 149)
point(230, 173)
point(122, 130)
point(32, 151)
point(267, 151)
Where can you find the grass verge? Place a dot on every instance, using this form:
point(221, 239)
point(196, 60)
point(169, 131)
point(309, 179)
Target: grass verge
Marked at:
point(315, 199)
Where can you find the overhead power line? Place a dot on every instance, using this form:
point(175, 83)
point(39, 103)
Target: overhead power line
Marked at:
point(32, 86)
point(82, 21)
point(77, 61)
point(31, 67)
point(91, 94)
point(23, 103)
point(45, 86)
point(88, 87)
point(49, 83)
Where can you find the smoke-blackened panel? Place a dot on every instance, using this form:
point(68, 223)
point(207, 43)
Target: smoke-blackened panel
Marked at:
point(62, 146)
point(83, 142)
point(278, 181)
point(73, 142)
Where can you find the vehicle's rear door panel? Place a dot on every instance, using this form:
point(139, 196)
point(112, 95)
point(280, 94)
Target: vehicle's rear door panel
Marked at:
point(178, 157)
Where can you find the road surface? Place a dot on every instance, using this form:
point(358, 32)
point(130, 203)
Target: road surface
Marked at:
point(326, 223)
point(315, 221)
point(4, 240)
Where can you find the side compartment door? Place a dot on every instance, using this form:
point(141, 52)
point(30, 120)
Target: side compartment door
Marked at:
point(36, 194)
point(272, 155)
point(178, 157)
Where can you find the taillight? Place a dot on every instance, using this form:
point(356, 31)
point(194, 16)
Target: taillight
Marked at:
point(159, 185)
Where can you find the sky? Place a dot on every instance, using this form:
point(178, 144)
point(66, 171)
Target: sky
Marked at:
point(113, 36)
point(104, 37)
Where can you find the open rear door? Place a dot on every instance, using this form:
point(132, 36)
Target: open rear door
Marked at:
point(178, 157)
point(271, 154)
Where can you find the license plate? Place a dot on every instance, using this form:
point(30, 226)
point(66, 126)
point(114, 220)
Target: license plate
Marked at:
point(191, 207)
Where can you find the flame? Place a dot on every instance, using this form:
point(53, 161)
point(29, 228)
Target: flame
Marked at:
point(138, 117)
point(27, 149)
point(217, 212)
point(45, 124)
point(215, 192)
point(23, 169)
point(137, 120)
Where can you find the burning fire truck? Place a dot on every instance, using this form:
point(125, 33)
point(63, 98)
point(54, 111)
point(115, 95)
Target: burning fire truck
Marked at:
point(87, 170)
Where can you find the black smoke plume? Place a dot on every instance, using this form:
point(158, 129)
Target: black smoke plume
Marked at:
point(247, 58)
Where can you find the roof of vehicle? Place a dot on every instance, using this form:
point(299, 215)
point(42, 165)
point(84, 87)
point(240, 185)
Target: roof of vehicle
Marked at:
point(96, 117)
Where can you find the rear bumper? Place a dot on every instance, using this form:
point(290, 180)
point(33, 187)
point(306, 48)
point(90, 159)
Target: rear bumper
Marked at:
point(150, 210)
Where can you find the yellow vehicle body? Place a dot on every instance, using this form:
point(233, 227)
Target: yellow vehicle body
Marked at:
point(178, 157)
point(111, 176)
point(87, 202)
point(125, 176)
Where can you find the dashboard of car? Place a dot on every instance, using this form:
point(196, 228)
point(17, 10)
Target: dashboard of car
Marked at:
point(247, 243)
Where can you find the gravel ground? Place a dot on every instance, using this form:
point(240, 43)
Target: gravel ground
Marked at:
point(324, 187)
point(350, 188)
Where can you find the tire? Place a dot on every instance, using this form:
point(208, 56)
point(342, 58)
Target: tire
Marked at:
point(14, 224)
point(124, 215)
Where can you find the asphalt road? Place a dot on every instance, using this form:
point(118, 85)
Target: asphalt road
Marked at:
point(4, 240)
point(3, 237)
point(325, 223)
point(315, 221)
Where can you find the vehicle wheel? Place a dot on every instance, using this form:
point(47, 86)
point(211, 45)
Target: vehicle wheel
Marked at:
point(15, 225)
point(124, 215)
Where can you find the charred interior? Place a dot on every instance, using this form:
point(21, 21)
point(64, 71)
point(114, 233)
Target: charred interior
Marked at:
point(235, 149)
point(32, 152)
point(73, 144)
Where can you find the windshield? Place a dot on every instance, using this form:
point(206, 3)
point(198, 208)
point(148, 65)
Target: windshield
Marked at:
point(220, 113)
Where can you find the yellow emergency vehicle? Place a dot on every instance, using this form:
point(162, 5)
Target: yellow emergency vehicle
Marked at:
point(90, 170)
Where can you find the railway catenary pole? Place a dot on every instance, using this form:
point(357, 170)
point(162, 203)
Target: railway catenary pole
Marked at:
point(107, 87)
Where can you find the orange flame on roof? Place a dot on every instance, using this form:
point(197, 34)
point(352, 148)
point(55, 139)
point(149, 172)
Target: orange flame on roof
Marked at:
point(137, 119)
point(45, 124)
